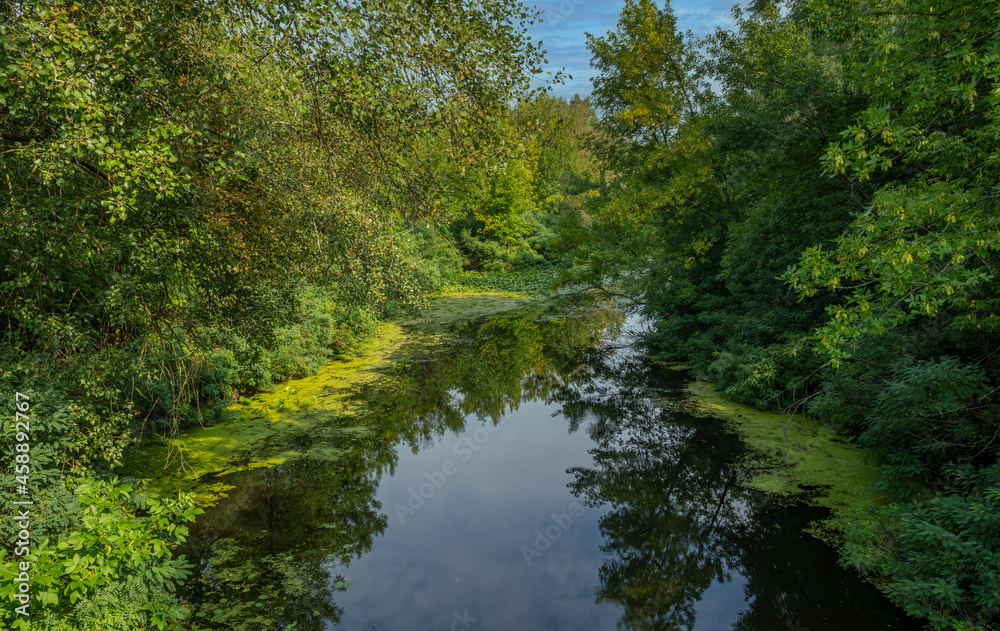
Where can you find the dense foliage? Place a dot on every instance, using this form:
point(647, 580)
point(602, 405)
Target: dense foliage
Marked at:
point(512, 218)
point(114, 569)
point(807, 206)
point(199, 199)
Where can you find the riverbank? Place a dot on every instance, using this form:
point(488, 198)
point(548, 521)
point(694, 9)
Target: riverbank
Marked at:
point(256, 426)
point(790, 454)
point(513, 469)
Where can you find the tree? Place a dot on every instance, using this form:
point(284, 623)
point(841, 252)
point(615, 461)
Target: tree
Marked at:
point(647, 84)
point(179, 182)
point(510, 201)
point(557, 128)
point(175, 168)
point(924, 245)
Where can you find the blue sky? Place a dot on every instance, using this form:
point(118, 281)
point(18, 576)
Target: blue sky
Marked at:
point(566, 21)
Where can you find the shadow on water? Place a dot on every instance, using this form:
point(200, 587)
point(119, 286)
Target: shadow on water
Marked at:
point(535, 412)
point(682, 525)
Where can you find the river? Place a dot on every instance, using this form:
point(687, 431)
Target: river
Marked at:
point(515, 473)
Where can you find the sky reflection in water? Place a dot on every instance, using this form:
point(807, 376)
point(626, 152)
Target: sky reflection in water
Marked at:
point(520, 478)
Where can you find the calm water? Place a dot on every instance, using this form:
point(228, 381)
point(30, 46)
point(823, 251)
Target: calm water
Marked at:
point(517, 476)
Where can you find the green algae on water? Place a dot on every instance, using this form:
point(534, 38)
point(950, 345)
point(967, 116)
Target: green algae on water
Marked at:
point(467, 305)
point(308, 418)
point(301, 418)
point(790, 454)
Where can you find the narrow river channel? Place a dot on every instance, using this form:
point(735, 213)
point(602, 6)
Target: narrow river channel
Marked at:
point(515, 473)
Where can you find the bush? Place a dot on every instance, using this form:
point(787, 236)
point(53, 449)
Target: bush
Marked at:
point(940, 559)
point(436, 256)
point(748, 377)
point(927, 416)
point(113, 570)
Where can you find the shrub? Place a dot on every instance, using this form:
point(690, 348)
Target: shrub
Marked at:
point(940, 559)
point(113, 570)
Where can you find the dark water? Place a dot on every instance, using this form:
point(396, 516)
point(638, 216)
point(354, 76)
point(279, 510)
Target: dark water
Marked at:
point(517, 477)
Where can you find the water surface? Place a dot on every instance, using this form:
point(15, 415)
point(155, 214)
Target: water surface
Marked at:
point(516, 475)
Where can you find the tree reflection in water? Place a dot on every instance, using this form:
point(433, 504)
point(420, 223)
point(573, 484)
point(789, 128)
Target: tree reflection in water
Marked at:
point(267, 556)
point(680, 521)
point(675, 520)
